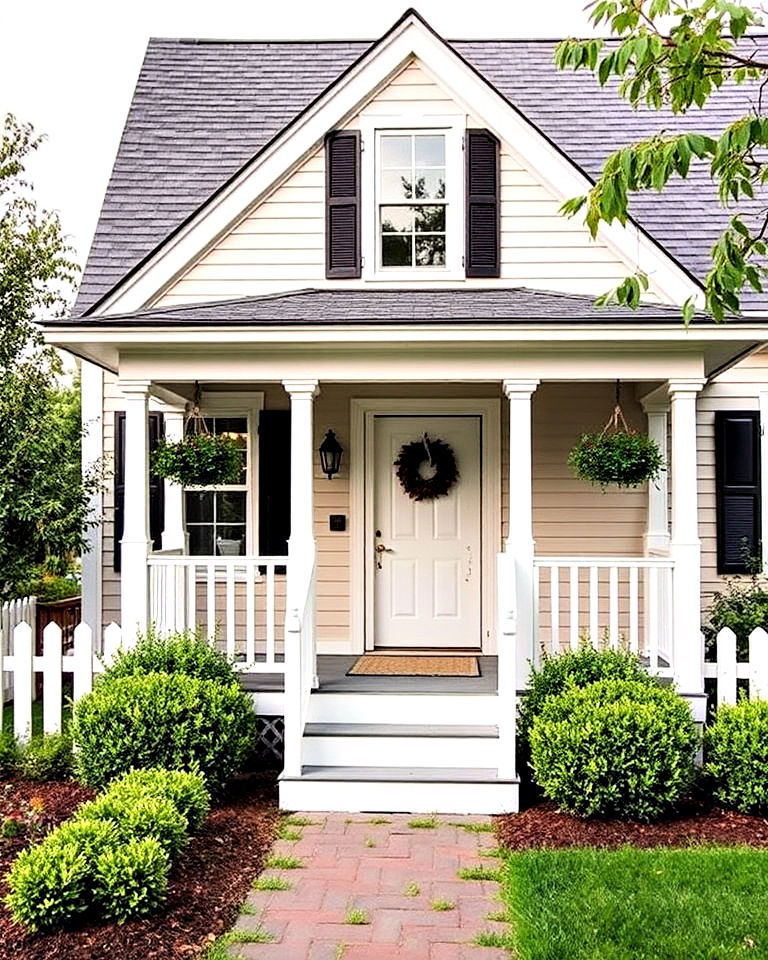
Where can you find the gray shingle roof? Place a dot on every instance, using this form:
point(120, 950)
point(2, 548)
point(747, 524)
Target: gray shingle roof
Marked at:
point(395, 306)
point(201, 110)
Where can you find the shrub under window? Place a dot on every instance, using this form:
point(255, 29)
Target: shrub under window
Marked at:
point(737, 756)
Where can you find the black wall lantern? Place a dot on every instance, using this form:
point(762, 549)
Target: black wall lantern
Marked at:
point(330, 454)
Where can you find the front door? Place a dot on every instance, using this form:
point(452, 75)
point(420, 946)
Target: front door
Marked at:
point(427, 553)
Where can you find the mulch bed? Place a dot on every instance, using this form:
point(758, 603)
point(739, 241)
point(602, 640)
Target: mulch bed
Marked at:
point(543, 825)
point(207, 885)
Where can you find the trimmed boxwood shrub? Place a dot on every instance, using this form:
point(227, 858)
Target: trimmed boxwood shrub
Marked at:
point(616, 748)
point(184, 652)
point(136, 818)
point(131, 880)
point(186, 791)
point(166, 720)
point(575, 668)
point(48, 757)
point(737, 756)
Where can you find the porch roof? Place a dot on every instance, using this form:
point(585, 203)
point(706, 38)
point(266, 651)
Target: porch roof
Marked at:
point(498, 305)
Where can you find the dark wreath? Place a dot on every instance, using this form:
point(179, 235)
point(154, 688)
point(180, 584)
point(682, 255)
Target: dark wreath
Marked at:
point(439, 455)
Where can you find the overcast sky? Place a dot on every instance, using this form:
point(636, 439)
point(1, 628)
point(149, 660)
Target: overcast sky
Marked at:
point(70, 66)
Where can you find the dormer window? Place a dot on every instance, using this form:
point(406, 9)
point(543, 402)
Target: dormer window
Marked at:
point(412, 207)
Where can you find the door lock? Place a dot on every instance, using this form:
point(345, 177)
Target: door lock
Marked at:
point(380, 549)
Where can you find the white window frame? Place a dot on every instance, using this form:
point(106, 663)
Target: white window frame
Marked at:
point(248, 405)
point(453, 127)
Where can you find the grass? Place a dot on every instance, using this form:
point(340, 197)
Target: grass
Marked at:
point(218, 949)
point(704, 903)
point(472, 827)
point(505, 941)
point(370, 842)
point(480, 873)
point(286, 833)
point(271, 882)
point(412, 889)
point(441, 906)
point(424, 823)
point(37, 716)
point(492, 852)
point(276, 862)
point(299, 822)
point(356, 917)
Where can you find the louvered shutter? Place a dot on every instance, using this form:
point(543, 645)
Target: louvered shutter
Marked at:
point(342, 204)
point(274, 482)
point(481, 157)
point(155, 427)
point(737, 471)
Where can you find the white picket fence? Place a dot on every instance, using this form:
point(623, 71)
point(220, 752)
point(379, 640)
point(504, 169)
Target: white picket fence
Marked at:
point(727, 670)
point(12, 613)
point(82, 662)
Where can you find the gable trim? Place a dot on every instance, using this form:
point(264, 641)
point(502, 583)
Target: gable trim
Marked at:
point(410, 37)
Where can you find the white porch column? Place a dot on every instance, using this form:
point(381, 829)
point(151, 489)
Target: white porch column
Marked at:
point(519, 541)
point(688, 654)
point(302, 394)
point(657, 537)
point(174, 534)
point(92, 406)
point(135, 544)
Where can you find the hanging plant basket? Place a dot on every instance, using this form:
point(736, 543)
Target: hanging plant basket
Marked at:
point(439, 456)
point(618, 456)
point(199, 460)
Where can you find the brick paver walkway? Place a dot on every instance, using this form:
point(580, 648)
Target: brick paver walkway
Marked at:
point(395, 876)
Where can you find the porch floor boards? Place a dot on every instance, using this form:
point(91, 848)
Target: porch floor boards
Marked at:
point(332, 670)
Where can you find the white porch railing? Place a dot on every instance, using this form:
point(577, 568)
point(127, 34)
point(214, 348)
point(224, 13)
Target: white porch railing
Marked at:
point(301, 659)
point(618, 602)
point(238, 603)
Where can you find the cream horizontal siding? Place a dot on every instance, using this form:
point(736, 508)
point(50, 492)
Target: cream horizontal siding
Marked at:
point(279, 245)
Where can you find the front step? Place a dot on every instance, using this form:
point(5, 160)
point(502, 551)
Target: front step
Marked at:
point(392, 745)
point(403, 708)
point(358, 789)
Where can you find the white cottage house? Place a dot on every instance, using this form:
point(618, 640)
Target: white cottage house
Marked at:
point(365, 238)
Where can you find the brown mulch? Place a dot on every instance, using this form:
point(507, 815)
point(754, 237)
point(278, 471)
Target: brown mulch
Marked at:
point(544, 826)
point(207, 884)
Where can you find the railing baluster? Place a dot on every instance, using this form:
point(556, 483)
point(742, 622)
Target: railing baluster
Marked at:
point(230, 614)
point(574, 611)
point(250, 612)
point(210, 613)
point(634, 611)
point(538, 641)
point(613, 607)
point(192, 597)
point(594, 606)
point(554, 603)
point(652, 600)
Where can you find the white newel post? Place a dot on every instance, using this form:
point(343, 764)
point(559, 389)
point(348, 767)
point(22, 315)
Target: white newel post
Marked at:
point(135, 545)
point(688, 653)
point(520, 543)
point(301, 546)
point(174, 534)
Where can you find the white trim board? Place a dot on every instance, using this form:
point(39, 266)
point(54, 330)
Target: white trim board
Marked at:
point(408, 39)
point(362, 414)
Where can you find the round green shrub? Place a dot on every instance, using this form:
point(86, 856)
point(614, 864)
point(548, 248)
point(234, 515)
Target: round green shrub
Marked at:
point(163, 720)
point(48, 886)
point(185, 652)
point(186, 791)
point(737, 756)
point(575, 668)
point(137, 818)
point(131, 879)
point(48, 757)
point(616, 748)
point(89, 836)
point(620, 458)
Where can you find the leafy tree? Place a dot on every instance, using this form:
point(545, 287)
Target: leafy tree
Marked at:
point(43, 497)
point(675, 54)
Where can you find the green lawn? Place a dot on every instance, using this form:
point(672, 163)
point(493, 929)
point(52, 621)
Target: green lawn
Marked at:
point(37, 716)
point(707, 903)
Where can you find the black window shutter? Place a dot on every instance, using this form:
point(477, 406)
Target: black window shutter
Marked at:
point(274, 482)
point(156, 486)
point(482, 256)
point(737, 473)
point(342, 204)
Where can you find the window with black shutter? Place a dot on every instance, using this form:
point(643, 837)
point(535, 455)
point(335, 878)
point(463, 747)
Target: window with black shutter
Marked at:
point(482, 256)
point(737, 470)
point(342, 206)
point(274, 482)
point(156, 489)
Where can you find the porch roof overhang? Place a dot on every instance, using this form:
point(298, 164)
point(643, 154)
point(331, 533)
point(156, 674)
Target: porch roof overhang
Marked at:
point(353, 322)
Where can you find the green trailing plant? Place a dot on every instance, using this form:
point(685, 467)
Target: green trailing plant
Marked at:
point(575, 668)
point(186, 652)
point(48, 757)
point(616, 748)
point(200, 459)
point(166, 720)
point(737, 756)
point(618, 458)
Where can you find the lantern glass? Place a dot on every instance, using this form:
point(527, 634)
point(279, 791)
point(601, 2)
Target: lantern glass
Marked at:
point(330, 454)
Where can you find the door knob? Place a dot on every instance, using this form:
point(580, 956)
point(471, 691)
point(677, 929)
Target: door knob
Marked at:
point(380, 549)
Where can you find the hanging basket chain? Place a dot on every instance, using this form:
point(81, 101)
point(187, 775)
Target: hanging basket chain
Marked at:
point(195, 423)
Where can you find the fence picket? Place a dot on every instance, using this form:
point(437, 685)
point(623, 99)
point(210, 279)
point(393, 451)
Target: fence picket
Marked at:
point(112, 643)
point(726, 666)
point(23, 681)
point(52, 665)
point(82, 662)
point(758, 664)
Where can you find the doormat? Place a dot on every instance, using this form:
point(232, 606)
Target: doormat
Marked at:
point(419, 665)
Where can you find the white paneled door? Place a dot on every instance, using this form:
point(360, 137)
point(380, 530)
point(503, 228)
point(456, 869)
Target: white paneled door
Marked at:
point(427, 554)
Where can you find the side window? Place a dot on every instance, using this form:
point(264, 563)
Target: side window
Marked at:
point(217, 517)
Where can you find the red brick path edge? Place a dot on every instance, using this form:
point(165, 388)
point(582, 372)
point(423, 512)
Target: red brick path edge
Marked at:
point(391, 872)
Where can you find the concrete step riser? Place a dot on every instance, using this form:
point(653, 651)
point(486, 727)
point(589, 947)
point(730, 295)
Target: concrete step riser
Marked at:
point(402, 708)
point(401, 751)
